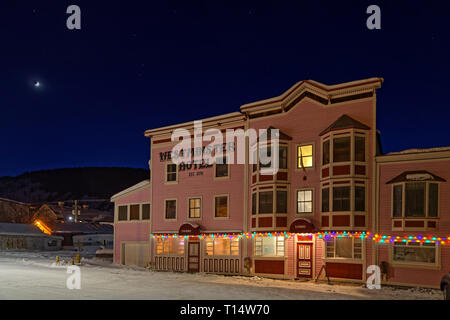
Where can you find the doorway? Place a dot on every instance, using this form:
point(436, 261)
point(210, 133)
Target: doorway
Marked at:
point(304, 260)
point(194, 256)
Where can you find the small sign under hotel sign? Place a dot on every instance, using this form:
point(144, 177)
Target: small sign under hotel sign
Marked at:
point(189, 229)
point(301, 226)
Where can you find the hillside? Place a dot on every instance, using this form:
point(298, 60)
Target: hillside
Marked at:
point(71, 183)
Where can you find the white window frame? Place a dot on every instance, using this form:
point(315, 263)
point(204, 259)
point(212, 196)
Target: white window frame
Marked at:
point(228, 206)
point(260, 253)
point(168, 254)
point(331, 243)
point(165, 209)
point(297, 156)
point(210, 240)
point(189, 208)
point(312, 202)
point(427, 200)
point(167, 172)
point(435, 265)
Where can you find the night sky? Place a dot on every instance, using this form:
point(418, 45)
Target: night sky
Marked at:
point(137, 65)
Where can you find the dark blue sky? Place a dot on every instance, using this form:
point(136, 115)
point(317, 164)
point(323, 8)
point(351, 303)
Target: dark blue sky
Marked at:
point(137, 65)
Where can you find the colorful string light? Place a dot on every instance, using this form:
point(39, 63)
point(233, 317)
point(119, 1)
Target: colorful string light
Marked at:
point(326, 235)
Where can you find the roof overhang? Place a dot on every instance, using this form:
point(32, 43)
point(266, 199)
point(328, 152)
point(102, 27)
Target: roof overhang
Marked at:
point(322, 93)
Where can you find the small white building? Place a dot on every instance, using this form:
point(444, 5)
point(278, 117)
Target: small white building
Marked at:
point(18, 236)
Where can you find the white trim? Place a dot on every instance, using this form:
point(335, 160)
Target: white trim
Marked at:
point(131, 189)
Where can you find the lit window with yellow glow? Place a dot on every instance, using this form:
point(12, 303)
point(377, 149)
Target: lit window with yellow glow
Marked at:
point(305, 156)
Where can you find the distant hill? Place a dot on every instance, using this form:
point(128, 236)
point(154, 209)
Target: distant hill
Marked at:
point(70, 184)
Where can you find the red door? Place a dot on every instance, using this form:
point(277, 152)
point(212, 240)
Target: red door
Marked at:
point(304, 261)
point(193, 256)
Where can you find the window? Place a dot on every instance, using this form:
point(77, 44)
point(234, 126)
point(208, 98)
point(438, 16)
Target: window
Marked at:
point(222, 247)
point(281, 201)
point(255, 161)
point(326, 152)
point(360, 148)
point(222, 168)
point(360, 198)
point(134, 212)
point(170, 246)
point(146, 211)
point(221, 206)
point(414, 205)
point(254, 203)
point(123, 213)
point(415, 199)
point(171, 209)
point(195, 207)
point(304, 201)
point(414, 253)
point(263, 153)
point(433, 199)
point(344, 248)
point(266, 202)
point(397, 201)
point(341, 198)
point(341, 149)
point(305, 156)
point(269, 246)
point(326, 200)
point(283, 158)
point(171, 172)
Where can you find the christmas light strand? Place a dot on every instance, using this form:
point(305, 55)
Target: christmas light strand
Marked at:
point(326, 235)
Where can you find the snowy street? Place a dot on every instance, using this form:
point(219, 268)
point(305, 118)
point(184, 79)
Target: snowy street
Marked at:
point(25, 275)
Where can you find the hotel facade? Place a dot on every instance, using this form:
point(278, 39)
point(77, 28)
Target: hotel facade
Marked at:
point(336, 206)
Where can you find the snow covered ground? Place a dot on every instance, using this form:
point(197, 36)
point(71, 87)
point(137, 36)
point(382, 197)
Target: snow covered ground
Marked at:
point(25, 275)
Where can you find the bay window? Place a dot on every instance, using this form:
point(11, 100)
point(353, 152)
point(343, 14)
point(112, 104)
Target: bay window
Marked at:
point(283, 158)
point(341, 198)
point(254, 195)
point(326, 200)
point(341, 149)
point(326, 152)
point(360, 148)
point(414, 202)
point(266, 202)
point(269, 246)
point(281, 201)
point(360, 198)
point(397, 201)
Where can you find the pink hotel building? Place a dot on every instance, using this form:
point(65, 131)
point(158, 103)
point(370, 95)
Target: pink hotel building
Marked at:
point(333, 177)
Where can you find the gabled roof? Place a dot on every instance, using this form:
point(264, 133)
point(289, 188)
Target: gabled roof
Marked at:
point(419, 175)
point(345, 122)
point(282, 135)
point(133, 188)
